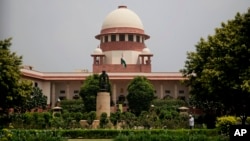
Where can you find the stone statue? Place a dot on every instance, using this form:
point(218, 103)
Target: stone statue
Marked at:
point(104, 82)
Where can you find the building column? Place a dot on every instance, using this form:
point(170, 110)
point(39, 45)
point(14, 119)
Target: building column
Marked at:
point(142, 60)
point(101, 60)
point(53, 95)
point(161, 91)
point(175, 91)
point(94, 60)
point(67, 91)
point(149, 60)
point(114, 93)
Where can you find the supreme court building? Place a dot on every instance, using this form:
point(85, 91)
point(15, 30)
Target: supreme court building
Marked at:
point(121, 36)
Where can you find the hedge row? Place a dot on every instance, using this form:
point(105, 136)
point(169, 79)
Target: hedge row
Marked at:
point(169, 137)
point(30, 135)
point(111, 134)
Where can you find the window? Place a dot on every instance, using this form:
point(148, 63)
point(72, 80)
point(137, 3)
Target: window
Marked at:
point(122, 37)
point(106, 39)
point(137, 38)
point(167, 91)
point(62, 91)
point(130, 38)
point(62, 97)
point(113, 38)
point(76, 91)
point(181, 91)
point(36, 84)
point(121, 98)
point(181, 98)
point(76, 97)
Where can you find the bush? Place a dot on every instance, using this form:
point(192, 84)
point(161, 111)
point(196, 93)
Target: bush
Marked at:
point(184, 136)
point(223, 123)
point(103, 120)
point(30, 135)
point(73, 105)
point(154, 135)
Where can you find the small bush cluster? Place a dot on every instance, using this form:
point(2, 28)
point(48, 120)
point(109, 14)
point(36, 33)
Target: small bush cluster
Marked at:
point(224, 123)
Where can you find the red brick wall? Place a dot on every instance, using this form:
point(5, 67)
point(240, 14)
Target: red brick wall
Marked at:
point(120, 68)
point(122, 45)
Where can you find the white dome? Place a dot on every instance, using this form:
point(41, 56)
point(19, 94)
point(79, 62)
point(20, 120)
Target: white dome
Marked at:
point(146, 51)
point(97, 51)
point(122, 17)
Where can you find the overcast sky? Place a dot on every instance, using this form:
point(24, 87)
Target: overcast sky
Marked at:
point(58, 35)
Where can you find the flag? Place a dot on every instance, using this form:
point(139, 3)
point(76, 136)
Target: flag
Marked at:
point(123, 62)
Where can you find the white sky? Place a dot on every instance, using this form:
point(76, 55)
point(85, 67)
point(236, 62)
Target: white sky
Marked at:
point(58, 35)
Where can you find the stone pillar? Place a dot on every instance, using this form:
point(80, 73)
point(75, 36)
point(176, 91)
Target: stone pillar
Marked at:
point(67, 91)
point(53, 94)
point(114, 94)
point(142, 60)
point(161, 91)
point(175, 91)
point(102, 104)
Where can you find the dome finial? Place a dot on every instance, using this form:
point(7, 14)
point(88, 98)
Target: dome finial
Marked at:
point(122, 6)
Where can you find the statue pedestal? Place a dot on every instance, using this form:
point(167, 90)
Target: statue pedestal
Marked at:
point(102, 104)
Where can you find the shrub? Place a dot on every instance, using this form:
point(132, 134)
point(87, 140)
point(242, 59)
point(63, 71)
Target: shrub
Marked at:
point(103, 120)
point(72, 105)
point(36, 135)
point(223, 123)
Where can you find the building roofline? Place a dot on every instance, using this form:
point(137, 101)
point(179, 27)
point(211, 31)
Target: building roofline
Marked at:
point(112, 76)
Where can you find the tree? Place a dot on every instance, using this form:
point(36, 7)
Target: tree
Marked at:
point(14, 91)
point(103, 120)
point(218, 71)
point(37, 99)
point(115, 117)
point(91, 117)
point(89, 91)
point(140, 95)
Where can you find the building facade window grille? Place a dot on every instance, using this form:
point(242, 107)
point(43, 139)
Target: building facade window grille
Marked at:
point(113, 38)
point(122, 37)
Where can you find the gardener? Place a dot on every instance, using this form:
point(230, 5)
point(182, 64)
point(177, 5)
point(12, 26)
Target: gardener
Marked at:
point(191, 122)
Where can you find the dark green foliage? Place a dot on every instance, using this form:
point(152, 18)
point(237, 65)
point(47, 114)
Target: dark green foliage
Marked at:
point(168, 104)
point(218, 71)
point(14, 91)
point(103, 120)
point(91, 117)
point(192, 135)
point(148, 136)
point(130, 119)
point(31, 135)
point(36, 100)
point(89, 91)
point(140, 95)
point(72, 105)
point(115, 117)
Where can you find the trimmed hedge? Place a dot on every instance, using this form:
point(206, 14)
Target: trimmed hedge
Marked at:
point(169, 137)
point(111, 134)
point(30, 135)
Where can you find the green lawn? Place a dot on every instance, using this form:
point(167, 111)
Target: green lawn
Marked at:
point(90, 139)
